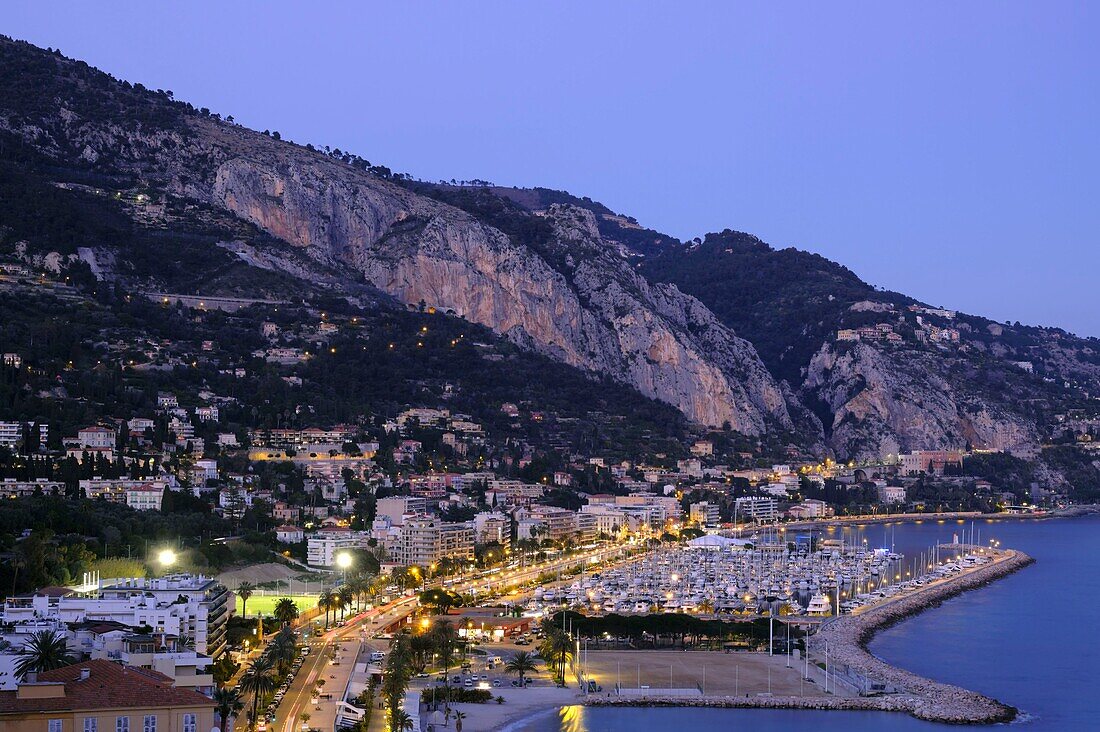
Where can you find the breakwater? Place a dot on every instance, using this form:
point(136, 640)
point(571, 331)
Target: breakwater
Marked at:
point(848, 636)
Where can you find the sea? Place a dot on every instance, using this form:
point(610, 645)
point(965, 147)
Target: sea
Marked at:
point(1029, 640)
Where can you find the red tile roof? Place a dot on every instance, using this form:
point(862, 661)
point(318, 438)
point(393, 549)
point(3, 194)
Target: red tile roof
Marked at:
point(109, 686)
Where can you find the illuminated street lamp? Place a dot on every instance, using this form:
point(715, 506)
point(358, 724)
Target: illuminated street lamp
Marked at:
point(343, 561)
point(166, 557)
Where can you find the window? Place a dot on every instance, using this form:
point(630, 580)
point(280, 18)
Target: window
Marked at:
point(122, 724)
point(91, 724)
point(54, 725)
point(190, 723)
point(150, 723)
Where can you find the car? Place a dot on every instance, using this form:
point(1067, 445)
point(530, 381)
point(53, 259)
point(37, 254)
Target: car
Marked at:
point(422, 675)
point(484, 677)
point(469, 683)
point(496, 683)
point(515, 682)
point(456, 679)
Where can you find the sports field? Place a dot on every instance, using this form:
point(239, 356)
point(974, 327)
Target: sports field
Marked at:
point(265, 604)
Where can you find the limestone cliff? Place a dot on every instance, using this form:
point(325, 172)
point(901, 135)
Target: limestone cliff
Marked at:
point(884, 402)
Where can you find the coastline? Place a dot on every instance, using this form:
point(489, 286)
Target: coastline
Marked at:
point(848, 637)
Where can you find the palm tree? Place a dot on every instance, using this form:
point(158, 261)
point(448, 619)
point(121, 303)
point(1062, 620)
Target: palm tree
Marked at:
point(459, 716)
point(346, 594)
point(227, 703)
point(284, 648)
point(400, 721)
point(305, 717)
point(522, 663)
point(286, 611)
point(245, 591)
point(555, 649)
point(45, 651)
point(325, 602)
point(706, 607)
point(259, 682)
point(185, 641)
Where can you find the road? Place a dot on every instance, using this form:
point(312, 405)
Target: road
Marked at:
point(347, 639)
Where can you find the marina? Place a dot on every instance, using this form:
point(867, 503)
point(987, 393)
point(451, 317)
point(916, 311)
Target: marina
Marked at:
point(765, 576)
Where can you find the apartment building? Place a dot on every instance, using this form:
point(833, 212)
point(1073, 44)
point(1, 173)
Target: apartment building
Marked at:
point(426, 539)
point(11, 433)
point(704, 513)
point(757, 508)
point(13, 488)
point(102, 696)
point(323, 547)
point(192, 605)
point(141, 494)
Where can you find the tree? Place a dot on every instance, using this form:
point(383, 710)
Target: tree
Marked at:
point(284, 648)
point(459, 716)
point(400, 721)
point(555, 649)
point(244, 591)
point(440, 599)
point(286, 611)
point(325, 602)
point(45, 651)
point(346, 594)
point(227, 704)
point(258, 681)
point(444, 638)
point(522, 663)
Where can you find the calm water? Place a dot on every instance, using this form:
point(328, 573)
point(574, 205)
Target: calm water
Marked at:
point(1027, 639)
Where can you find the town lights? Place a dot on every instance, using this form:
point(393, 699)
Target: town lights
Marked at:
point(166, 557)
point(343, 560)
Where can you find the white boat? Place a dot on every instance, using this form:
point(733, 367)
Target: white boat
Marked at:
point(819, 605)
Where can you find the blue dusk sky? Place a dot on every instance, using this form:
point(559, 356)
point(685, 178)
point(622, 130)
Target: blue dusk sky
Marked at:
point(946, 150)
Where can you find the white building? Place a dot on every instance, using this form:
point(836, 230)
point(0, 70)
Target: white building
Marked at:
point(196, 606)
point(426, 539)
point(891, 494)
point(289, 534)
point(757, 508)
point(96, 436)
point(11, 433)
point(704, 513)
point(144, 494)
point(323, 547)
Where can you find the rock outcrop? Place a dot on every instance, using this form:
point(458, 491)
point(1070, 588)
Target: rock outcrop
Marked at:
point(884, 402)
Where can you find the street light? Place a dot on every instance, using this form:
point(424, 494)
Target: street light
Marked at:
point(166, 557)
point(343, 561)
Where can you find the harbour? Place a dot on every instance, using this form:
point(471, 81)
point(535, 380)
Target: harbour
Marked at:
point(949, 648)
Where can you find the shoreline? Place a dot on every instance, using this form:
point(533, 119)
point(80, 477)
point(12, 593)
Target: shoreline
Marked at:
point(848, 637)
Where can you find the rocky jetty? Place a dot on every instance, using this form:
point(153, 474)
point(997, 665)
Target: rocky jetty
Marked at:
point(848, 637)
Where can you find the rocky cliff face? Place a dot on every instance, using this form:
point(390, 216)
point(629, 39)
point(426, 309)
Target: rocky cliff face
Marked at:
point(589, 309)
point(597, 315)
point(888, 402)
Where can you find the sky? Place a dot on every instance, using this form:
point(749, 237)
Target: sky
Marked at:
point(949, 151)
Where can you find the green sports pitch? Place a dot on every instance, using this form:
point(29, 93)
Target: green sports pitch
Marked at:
point(265, 604)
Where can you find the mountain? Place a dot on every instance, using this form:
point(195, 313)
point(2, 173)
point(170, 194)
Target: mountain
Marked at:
point(918, 377)
point(347, 225)
point(155, 195)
